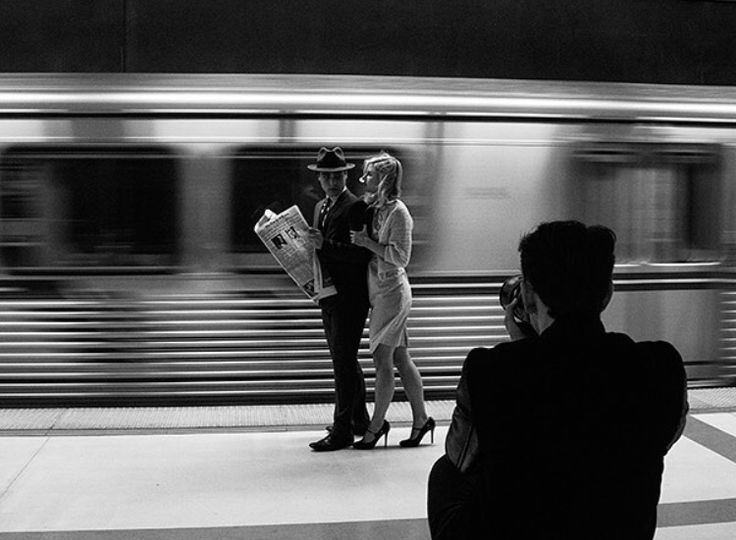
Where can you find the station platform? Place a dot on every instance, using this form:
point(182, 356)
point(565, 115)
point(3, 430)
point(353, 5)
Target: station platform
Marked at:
point(247, 473)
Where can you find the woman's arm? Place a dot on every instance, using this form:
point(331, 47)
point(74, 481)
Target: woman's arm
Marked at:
point(397, 250)
point(361, 238)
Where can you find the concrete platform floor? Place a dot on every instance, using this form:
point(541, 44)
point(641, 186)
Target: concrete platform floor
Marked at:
point(212, 479)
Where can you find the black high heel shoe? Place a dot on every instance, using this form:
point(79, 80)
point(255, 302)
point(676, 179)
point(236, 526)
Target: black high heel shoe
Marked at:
point(383, 432)
point(429, 425)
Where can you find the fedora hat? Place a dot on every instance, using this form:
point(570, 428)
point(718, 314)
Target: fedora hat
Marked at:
point(330, 161)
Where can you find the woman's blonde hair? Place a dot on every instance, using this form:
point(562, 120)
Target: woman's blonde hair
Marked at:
point(390, 173)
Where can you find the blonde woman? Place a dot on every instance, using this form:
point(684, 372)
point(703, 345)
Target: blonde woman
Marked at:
point(388, 236)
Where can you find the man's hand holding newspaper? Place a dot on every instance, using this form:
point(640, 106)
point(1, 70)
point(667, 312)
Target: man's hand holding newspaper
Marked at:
point(292, 242)
point(315, 237)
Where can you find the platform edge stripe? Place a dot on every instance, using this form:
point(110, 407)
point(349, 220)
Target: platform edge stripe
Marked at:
point(696, 513)
point(720, 442)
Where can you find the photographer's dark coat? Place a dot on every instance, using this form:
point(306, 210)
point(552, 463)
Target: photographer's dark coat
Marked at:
point(572, 427)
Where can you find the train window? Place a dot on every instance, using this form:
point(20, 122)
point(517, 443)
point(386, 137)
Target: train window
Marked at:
point(87, 206)
point(662, 201)
point(275, 179)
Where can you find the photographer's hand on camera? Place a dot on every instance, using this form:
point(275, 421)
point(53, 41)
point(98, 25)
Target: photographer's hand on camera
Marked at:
point(517, 329)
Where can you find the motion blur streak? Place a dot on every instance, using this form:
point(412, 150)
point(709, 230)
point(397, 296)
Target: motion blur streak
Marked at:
point(130, 273)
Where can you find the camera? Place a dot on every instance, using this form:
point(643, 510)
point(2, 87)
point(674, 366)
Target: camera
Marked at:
point(511, 290)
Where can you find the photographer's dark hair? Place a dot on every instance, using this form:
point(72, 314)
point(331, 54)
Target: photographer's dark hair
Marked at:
point(569, 265)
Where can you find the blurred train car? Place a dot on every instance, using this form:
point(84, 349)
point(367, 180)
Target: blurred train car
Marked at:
point(130, 273)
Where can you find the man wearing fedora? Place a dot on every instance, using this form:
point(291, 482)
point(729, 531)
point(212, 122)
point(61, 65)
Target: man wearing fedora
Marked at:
point(343, 314)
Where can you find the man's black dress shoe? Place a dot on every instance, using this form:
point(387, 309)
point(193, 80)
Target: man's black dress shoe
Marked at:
point(330, 443)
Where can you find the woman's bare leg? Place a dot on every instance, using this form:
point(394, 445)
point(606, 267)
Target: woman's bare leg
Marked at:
point(383, 360)
point(412, 382)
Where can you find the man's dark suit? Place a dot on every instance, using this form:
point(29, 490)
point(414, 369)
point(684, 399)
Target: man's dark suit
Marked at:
point(573, 427)
point(344, 314)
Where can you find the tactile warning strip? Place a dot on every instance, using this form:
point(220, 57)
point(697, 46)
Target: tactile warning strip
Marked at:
point(712, 398)
point(216, 417)
point(252, 416)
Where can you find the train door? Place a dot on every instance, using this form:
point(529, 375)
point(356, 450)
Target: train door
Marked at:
point(663, 202)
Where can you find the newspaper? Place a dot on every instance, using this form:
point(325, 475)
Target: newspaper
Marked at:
point(285, 236)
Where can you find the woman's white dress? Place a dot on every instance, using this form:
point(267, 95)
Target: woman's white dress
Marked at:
point(388, 284)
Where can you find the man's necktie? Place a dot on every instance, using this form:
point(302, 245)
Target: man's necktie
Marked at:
point(323, 213)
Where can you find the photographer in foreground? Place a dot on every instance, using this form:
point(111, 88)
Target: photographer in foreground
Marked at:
point(560, 433)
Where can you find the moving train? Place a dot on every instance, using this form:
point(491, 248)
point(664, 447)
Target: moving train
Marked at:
point(130, 272)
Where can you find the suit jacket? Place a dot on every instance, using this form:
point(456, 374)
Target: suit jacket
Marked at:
point(346, 263)
point(572, 427)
